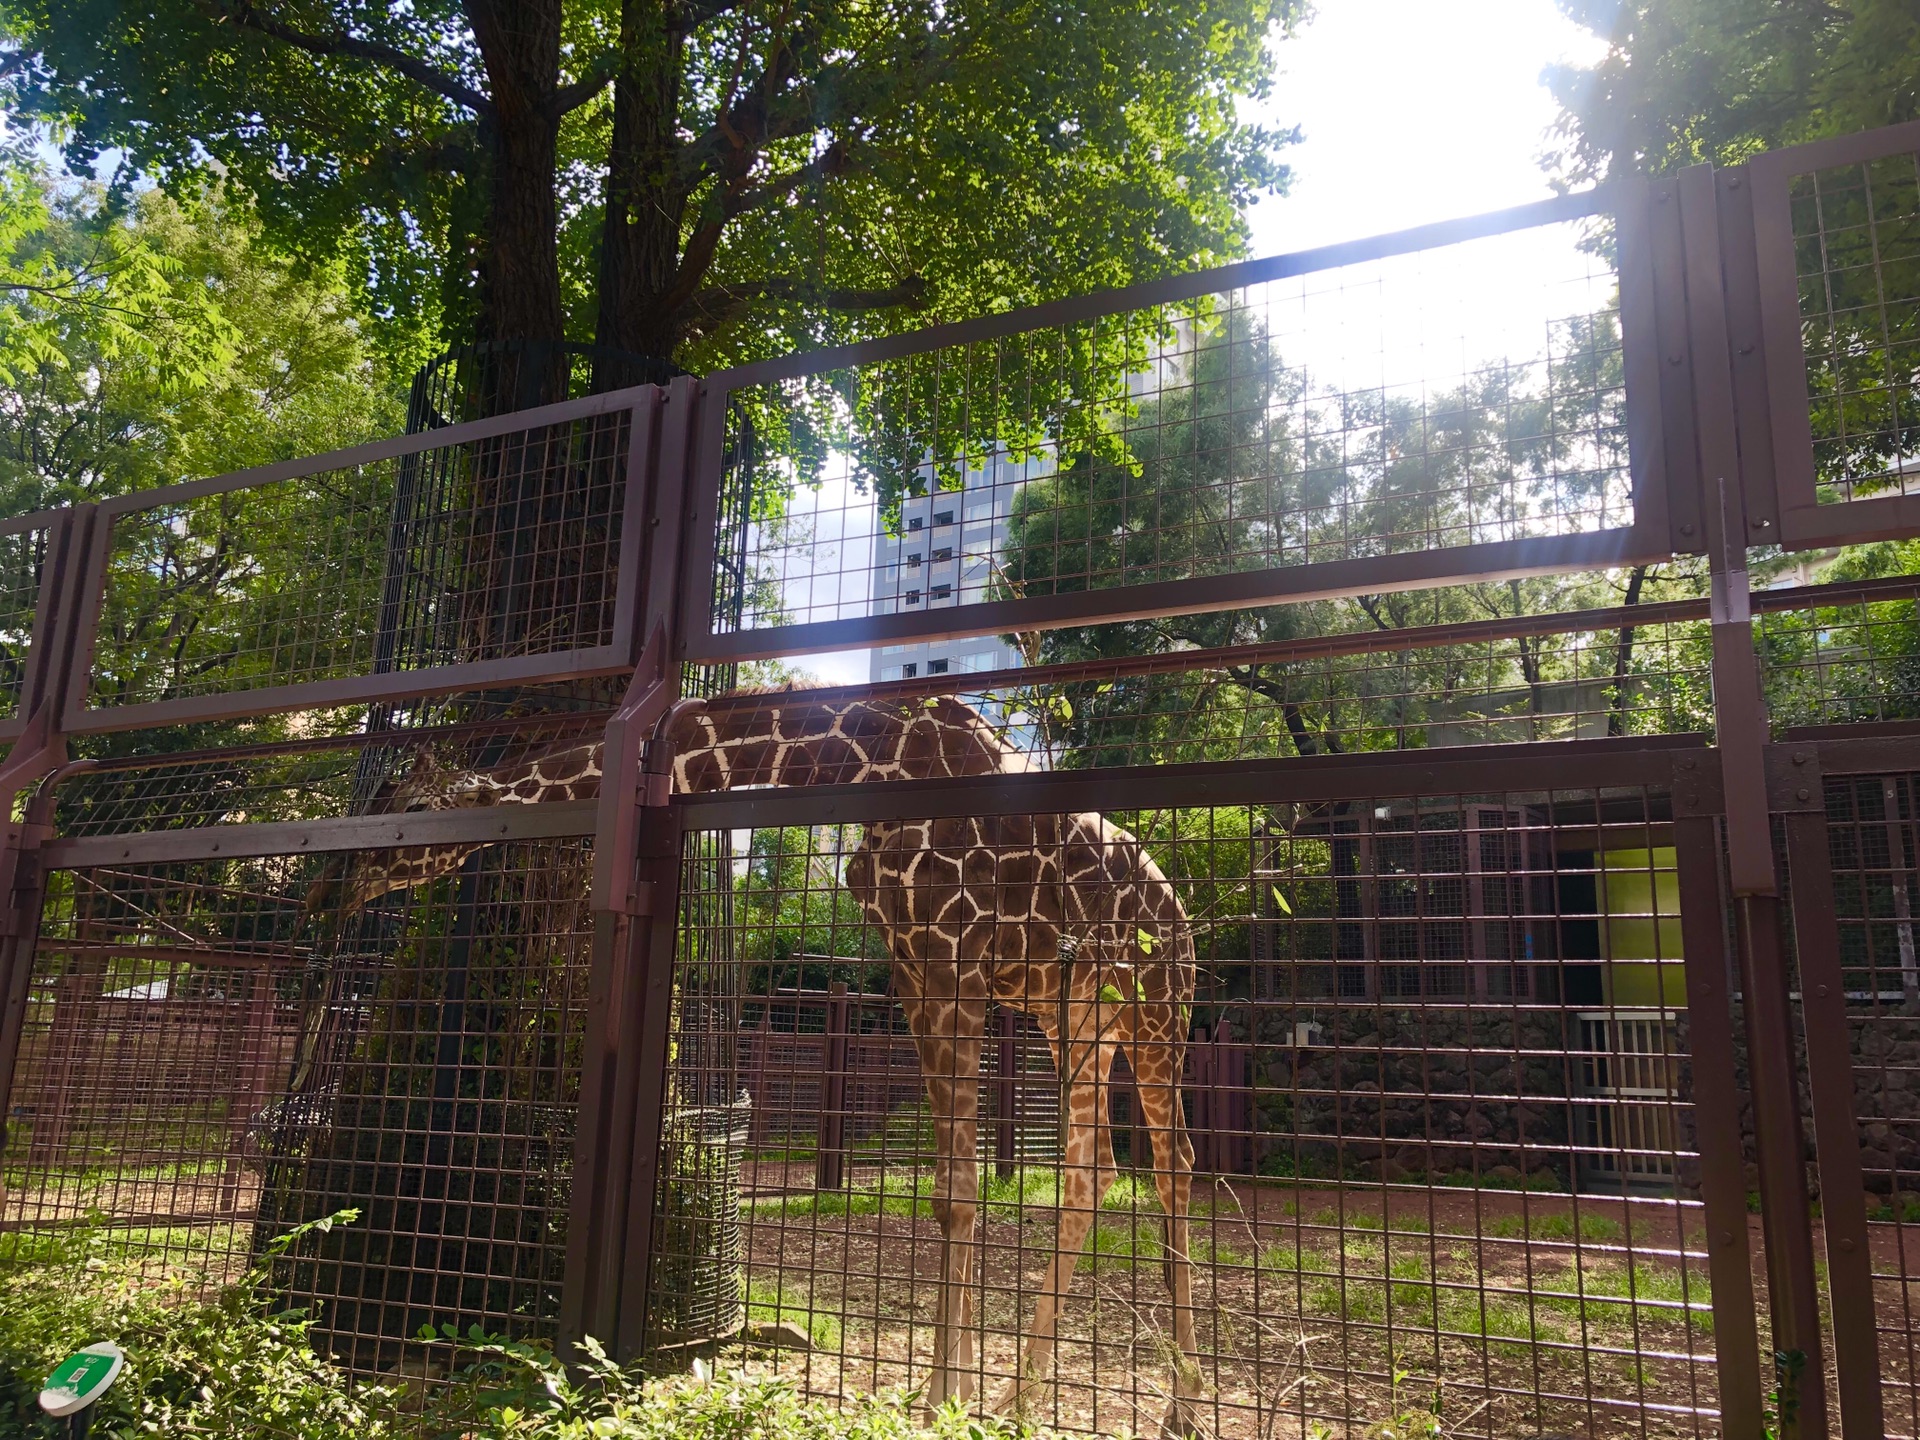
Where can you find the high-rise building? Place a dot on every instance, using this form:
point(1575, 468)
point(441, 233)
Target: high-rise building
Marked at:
point(944, 555)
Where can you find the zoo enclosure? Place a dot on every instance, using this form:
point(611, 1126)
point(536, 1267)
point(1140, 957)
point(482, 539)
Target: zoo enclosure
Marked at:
point(489, 1067)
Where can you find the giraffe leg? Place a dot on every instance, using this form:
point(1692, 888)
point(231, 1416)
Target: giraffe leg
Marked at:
point(948, 1034)
point(1086, 1173)
point(1156, 1068)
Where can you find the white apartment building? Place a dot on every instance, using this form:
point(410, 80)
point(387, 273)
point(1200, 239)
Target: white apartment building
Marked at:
point(944, 556)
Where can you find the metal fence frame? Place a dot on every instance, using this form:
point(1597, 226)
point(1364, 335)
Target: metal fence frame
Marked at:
point(1721, 459)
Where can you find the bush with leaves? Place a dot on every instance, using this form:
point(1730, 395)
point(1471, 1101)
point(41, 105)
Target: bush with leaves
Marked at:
point(201, 1360)
point(223, 1362)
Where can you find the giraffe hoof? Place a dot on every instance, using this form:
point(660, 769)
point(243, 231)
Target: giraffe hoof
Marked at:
point(1182, 1422)
point(1183, 1414)
point(1021, 1399)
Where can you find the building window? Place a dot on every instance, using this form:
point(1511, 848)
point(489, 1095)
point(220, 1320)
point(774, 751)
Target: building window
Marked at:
point(894, 649)
point(913, 597)
point(942, 592)
point(979, 660)
point(945, 552)
point(937, 667)
point(889, 672)
point(907, 672)
point(943, 517)
point(915, 523)
point(913, 561)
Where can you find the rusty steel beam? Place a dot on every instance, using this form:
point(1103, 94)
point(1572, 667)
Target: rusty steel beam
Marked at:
point(1716, 1100)
point(355, 690)
point(1534, 765)
point(1200, 594)
point(1074, 310)
point(1836, 1132)
point(492, 824)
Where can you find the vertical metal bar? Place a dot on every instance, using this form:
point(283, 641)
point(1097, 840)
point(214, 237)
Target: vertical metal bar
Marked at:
point(652, 968)
point(830, 1157)
point(1836, 1133)
point(610, 1062)
point(1786, 1219)
point(1003, 1120)
point(1680, 453)
point(1739, 714)
point(1716, 1104)
point(1641, 363)
point(1740, 267)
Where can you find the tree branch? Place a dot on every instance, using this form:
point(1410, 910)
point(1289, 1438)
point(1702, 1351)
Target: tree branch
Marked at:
point(714, 306)
point(326, 47)
point(595, 78)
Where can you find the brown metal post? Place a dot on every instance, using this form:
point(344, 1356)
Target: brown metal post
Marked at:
point(762, 1039)
point(1843, 1201)
point(52, 672)
point(1004, 1092)
point(1716, 1106)
point(622, 904)
point(1785, 1215)
point(653, 968)
point(830, 1159)
point(1741, 733)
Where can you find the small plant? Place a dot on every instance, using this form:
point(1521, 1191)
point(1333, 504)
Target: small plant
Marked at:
point(1783, 1401)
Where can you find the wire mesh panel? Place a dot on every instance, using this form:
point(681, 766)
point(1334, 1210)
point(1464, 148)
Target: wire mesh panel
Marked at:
point(1876, 876)
point(210, 1058)
point(1854, 660)
point(1433, 1146)
point(1836, 225)
point(501, 548)
point(1465, 394)
point(23, 554)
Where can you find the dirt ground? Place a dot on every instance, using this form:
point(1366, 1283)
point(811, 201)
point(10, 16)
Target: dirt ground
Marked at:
point(1516, 1314)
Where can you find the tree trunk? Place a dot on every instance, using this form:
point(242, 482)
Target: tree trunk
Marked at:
point(520, 269)
point(645, 196)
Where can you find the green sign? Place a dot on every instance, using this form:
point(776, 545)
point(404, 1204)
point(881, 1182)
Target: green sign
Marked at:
point(82, 1378)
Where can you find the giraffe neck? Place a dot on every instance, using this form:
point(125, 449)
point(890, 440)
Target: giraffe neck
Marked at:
point(811, 742)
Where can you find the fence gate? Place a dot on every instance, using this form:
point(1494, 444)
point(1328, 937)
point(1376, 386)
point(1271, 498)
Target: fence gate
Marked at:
point(1377, 704)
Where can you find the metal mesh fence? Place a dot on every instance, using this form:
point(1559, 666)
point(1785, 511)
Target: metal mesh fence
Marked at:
point(205, 1065)
point(1876, 878)
point(22, 556)
point(1463, 394)
point(485, 550)
point(1856, 236)
point(1432, 1060)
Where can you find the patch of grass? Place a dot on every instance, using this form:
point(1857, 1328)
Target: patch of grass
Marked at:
point(904, 1193)
point(1029, 1195)
point(770, 1301)
point(1207, 1250)
point(1135, 1193)
point(1907, 1212)
point(1127, 1243)
point(1405, 1224)
point(1553, 1227)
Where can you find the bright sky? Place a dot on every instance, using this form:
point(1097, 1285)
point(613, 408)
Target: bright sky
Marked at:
point(1411, 111)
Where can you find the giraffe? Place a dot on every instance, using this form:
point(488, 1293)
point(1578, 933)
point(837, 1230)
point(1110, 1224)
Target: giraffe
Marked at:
point(1065, 917)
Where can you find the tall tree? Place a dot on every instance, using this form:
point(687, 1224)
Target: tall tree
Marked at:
point(1715, 80)
point(693, 179)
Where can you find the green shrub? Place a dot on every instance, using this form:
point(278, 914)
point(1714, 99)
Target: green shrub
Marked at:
point(224, 1366)
point(223, 1363)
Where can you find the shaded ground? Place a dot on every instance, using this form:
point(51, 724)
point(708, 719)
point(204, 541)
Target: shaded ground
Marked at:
point(1521, 1313)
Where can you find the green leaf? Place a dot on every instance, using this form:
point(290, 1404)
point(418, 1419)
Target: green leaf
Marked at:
point(1112, 996)
point(1281, 901)
point(1145, 941)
